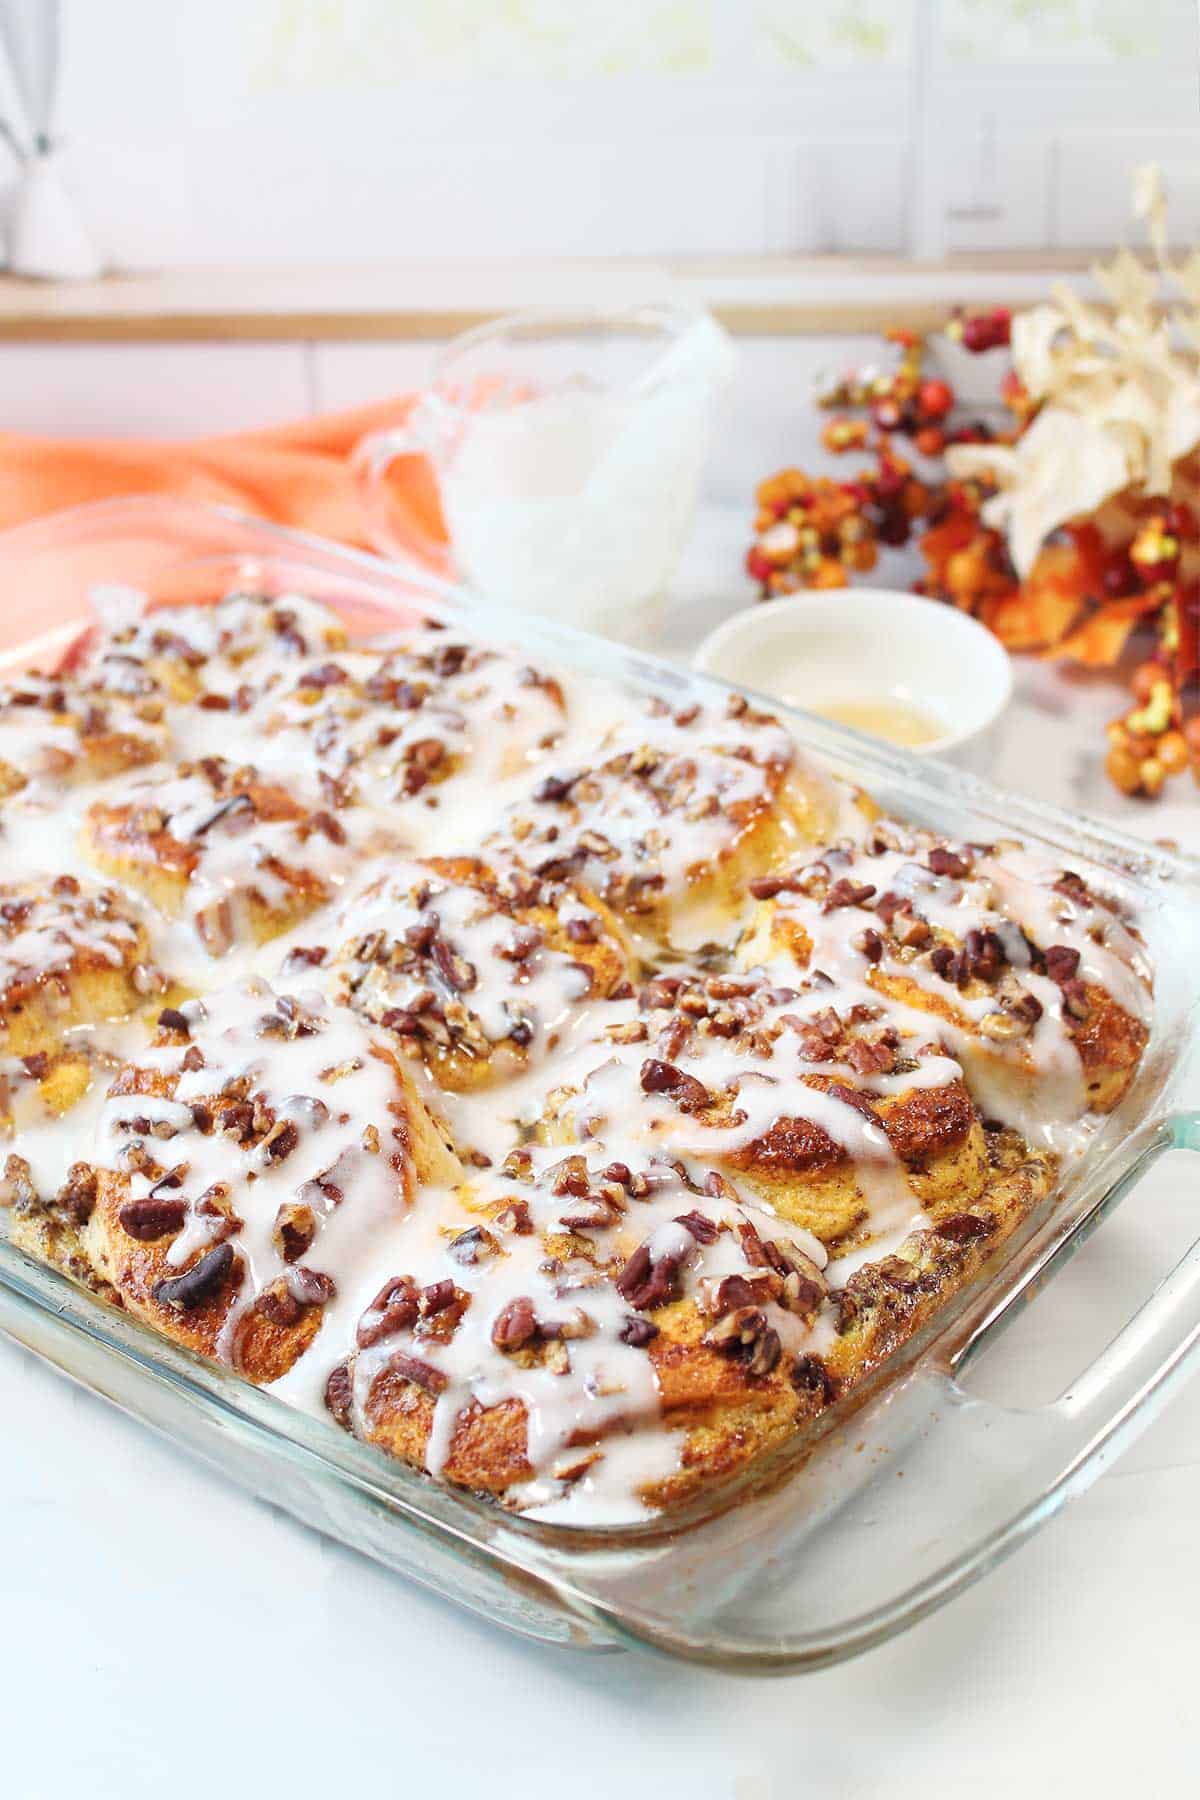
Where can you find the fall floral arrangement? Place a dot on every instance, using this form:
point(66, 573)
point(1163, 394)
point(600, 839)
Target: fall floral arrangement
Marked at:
point(1073, 530)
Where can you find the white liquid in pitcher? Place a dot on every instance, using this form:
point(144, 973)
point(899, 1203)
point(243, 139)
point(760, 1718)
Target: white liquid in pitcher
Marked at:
point(574, 503)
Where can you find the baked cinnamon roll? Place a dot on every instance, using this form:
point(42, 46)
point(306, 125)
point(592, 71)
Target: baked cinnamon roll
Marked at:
point(583, 1334)
point(242, 857)
point(845, 1123)
point(71, 953)
point(248, 1161)
point(57, 731)
point(673, 816)
point(394, 727)
point(477, 967)
point(220, 658)
point(1036, 984)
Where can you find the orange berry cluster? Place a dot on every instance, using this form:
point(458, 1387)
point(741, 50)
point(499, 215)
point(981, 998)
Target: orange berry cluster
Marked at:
point(1159, 735)
point(813, 531)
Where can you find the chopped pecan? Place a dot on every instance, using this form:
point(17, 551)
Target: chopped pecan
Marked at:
point(963, 1228)
point(278, 1305)
point(241, 804)
point(281, 1140)
point(339, 1394)
point(76, 1198)
point(294, 1230)
point(570, 1176)
point(420, 1373)
point(800, 1286)
point(1075, 1001)
point(150, 1218)
point(889, 904)
point(1062, 963)
point(848, 893)
point(458, 974)
point(852, 1097)
point(197, 1284)
point(746, 1336)
point(659, 1077)
point(554, 789)
point(326, 675)
point(515, 1326)
point(871, 1058)
point(515, 1218)
point(730, 1293)
point(951, 965)
point(311, 1287)
point(472, 1245)
point(702, 1228)
point(943, 861)
point(437, 1297)
point(647, 1282)
point(809, 1375)
point(394, 1308)
point(638, 1331)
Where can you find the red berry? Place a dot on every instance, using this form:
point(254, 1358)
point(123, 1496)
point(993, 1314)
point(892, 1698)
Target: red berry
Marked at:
point(889, 483)
point(987, 331)
point(934, 399)
point(1181, 520)
point(758, 565)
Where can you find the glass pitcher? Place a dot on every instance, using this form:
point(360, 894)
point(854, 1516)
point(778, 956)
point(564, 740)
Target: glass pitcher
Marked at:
point(568, 448)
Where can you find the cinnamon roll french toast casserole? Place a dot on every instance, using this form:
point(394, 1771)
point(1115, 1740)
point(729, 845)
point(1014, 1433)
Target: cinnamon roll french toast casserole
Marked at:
point(568, 1093)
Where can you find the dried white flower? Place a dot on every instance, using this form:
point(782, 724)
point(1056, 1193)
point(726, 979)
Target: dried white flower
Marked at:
point(1119, 406)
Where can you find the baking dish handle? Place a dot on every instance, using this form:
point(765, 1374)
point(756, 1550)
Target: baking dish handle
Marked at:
point(1134, 1373)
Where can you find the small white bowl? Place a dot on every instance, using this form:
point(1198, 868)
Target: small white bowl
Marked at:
point(850, 646)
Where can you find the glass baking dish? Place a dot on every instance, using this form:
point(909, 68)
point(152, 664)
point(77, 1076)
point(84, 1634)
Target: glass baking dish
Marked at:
point(819, 1551)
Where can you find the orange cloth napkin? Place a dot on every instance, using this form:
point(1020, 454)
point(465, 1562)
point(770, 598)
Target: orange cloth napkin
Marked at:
point(294, 474)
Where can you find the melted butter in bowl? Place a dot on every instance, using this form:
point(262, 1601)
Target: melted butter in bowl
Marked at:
point(911, 671)
point(896, 721)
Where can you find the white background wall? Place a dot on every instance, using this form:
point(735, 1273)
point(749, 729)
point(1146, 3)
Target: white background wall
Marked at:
point(300, 130)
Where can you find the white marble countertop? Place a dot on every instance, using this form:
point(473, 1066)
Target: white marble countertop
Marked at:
point(162, 1634)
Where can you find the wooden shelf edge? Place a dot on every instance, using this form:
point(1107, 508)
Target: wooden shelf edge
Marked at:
point(751, 296)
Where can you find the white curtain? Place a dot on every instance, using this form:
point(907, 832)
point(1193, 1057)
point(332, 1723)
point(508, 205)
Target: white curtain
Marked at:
point(46, 235)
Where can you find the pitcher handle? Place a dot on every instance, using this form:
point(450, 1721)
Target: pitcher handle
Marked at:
point(395, 529)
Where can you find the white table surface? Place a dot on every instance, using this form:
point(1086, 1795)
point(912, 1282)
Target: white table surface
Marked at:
point(161, 1633)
